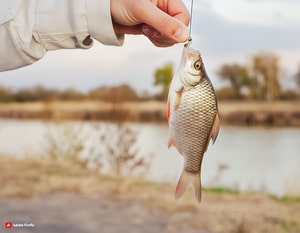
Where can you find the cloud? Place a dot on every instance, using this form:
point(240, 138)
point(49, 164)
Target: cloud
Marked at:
point(220, 40)
point(220, 35)
point(263, 12)
point(134, 63)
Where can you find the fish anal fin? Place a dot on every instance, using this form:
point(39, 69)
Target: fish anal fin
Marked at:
point(172, 143)
point(185, 180)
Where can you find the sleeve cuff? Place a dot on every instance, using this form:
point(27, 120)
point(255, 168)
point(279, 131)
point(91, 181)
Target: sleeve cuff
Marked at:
point(100, 24)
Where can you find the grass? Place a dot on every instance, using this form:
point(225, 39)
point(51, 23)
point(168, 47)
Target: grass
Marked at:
point(290, 227)
point(220, 190)
point(221, 210)
point(287, 199)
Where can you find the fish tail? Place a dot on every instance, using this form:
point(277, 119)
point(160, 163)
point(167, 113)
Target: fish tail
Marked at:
point(185, 179)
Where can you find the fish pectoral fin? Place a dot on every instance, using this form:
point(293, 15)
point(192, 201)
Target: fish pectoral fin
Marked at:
point(178, 95)
point(215, 128)
point(185, 180)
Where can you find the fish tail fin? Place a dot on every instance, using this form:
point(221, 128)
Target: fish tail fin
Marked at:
point(185, 180)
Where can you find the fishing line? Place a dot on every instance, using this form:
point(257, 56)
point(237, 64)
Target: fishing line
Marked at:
point(191, 13)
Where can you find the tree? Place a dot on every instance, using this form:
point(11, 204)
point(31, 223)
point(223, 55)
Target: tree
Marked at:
point(5, 94)
point(71, 94)
point(266, 73)
point(163, 77)
point(239, 78)
point(121, 93)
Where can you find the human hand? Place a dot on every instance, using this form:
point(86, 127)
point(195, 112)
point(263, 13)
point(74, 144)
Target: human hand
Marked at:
point(164, 22)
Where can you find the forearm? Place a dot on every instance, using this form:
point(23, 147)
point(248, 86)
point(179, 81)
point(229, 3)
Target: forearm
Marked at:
point(30, 28)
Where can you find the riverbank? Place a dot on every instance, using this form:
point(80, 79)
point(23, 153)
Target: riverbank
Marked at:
point(60, 196)
point(233, 113)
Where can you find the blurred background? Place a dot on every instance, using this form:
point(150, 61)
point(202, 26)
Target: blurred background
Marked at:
point(103, 110)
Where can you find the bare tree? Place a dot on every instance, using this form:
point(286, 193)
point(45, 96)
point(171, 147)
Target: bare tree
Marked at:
point(118, 142)
point(66, 142)
point(119, 150)
point(266, 72)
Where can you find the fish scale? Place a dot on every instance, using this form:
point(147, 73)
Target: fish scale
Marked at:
point(190, 121)
point(193, 117)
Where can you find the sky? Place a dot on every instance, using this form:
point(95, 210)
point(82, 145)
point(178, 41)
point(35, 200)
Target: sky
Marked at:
point(224, 31)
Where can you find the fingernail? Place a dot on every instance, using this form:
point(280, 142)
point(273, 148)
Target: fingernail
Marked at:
point(182, 34)
point(148, 32)
point(157, 34)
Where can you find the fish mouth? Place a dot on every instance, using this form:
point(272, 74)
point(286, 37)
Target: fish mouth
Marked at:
point(187, 44)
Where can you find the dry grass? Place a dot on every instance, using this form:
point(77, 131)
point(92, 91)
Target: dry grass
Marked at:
point(225, 107)
point(80, 106)
point(218, 212)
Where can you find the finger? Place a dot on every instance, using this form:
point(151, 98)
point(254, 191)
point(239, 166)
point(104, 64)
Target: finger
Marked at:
point(168, 26)
point(133, 30)
point(160, 42)
point(156, 37)
point(177, 9)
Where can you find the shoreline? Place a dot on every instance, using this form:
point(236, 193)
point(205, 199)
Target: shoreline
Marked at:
point(279, 114)
point(51, 184)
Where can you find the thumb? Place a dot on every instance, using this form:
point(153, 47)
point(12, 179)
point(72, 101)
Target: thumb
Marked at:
point(167, 25)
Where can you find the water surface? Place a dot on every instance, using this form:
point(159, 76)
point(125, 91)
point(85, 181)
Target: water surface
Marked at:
point(258, 159)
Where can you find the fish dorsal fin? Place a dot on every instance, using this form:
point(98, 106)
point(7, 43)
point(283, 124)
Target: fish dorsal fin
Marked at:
point(214, 131)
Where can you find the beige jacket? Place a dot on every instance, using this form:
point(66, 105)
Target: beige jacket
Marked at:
point(30, 28)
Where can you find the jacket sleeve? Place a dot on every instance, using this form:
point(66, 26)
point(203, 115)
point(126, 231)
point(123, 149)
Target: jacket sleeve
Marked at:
point(30, 28)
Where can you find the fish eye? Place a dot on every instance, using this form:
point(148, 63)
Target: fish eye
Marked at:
point(197, 65)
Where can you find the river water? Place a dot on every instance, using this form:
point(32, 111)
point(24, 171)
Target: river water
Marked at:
point(246, 159)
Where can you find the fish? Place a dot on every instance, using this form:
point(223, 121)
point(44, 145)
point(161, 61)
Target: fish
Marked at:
point(193, 117)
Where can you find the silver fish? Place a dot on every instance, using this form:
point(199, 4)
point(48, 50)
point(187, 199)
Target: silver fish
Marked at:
point(193, 117)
